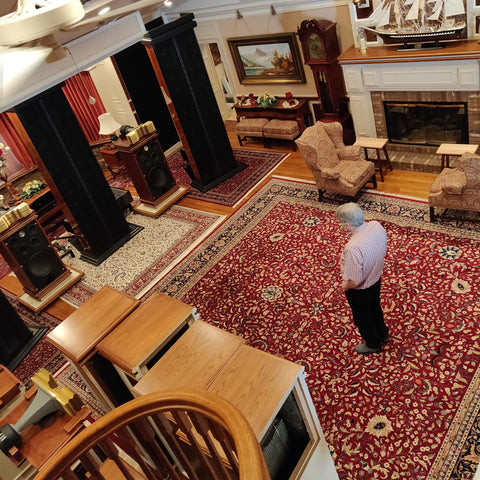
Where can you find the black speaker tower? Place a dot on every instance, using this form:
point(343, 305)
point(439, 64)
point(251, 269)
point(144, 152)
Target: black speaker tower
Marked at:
point(56, 134)
point(16, 339)
point(181, 63)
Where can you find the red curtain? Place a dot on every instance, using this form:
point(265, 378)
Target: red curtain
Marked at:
point(78, 89)
point(15, 142)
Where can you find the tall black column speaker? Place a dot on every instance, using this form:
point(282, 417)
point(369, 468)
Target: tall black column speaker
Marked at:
point(14, 334)
point(181, 63)
point(139, 77)
point(58, 138)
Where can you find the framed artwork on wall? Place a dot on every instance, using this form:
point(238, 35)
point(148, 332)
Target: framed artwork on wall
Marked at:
point(267, 59)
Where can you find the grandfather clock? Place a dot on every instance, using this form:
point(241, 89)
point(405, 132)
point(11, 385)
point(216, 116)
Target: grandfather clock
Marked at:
point(320, 51)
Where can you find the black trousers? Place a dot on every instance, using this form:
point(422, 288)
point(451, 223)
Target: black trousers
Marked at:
point(368, 315)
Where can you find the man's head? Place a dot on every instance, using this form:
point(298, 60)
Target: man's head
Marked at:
point(351, 214)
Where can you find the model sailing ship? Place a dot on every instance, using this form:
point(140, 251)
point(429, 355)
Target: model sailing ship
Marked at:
point(403, 21)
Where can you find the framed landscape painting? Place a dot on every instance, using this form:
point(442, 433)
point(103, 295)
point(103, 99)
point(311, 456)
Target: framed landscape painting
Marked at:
point(267, 59)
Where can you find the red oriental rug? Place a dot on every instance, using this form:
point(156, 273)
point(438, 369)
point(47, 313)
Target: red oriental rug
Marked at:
point(271, 275)
point(231, 191)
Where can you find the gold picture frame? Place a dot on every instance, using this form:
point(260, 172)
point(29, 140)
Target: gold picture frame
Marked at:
point(273, 58)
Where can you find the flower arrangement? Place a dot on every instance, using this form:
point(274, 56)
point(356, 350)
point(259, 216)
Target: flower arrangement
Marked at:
point(32, 188)
point(267, 100)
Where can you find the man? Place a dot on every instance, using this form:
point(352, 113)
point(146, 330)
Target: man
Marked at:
point(361, 264)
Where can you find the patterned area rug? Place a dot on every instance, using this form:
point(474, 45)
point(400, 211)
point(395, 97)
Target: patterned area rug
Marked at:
point(232, 190)
point(162, 243)
point(271, 275)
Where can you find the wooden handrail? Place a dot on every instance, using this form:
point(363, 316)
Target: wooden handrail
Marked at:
point(165, 435)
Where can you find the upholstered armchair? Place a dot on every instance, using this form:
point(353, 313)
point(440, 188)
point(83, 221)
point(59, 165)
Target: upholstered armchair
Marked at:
point(336, 168)
point(457, 188)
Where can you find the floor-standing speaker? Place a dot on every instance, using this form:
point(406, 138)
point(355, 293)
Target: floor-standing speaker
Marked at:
point(65, 153)
point(16, 339)
point(31, 256)
point(178, 56)
point(147, 167)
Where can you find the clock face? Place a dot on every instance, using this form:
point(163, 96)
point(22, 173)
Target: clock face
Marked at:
point(316, 49)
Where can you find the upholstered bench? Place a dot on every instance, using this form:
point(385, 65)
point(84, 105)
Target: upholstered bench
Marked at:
point(250, 127)
point(282, 129)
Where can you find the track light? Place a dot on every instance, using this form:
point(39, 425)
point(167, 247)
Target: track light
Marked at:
point(167, 3)
point(272, 10)
point(239, 15)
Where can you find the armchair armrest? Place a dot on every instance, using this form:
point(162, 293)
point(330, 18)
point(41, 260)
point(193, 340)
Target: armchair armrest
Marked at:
point(329, 173)
point(450, 181)
point(349, 152)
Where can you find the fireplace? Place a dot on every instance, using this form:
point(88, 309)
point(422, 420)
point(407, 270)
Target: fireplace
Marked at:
point(426, 83)
point(426, 123)
point(434, 110)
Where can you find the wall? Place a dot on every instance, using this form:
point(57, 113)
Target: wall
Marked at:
point(262, 24)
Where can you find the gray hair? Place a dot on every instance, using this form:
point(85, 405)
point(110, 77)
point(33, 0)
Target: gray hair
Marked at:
point(351, 214)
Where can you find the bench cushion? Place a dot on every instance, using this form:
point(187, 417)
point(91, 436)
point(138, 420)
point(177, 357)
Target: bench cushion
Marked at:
point(251, 127)
point(284, 129)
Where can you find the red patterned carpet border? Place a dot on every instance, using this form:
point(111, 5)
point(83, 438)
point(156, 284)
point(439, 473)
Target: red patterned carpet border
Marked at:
point(271, 275)
point(232, 190)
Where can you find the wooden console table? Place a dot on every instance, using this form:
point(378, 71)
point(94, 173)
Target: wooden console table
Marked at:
point(301, 113)
point(78, 335)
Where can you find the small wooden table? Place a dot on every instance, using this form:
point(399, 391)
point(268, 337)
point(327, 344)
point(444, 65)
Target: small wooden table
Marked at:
point(78, 335)
point(193, 360)
point(144, 334)
point(378, 144)
point(453, 149)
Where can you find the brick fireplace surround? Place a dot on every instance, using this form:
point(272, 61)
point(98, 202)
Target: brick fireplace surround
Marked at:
point(383, 74)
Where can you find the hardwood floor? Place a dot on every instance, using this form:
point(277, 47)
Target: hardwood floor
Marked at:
point(397, 182)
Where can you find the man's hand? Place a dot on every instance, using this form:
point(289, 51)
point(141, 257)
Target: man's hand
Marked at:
point(348, 284)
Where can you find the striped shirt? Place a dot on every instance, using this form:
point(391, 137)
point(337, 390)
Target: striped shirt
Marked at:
point(362, 258)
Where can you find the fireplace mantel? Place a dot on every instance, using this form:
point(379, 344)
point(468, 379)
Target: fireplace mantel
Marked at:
point(454, 68)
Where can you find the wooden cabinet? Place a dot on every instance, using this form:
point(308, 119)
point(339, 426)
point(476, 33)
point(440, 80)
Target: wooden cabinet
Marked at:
point(270, 391)
point(111, 158)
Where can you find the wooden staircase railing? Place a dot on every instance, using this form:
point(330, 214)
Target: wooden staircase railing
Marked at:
point(178, 434)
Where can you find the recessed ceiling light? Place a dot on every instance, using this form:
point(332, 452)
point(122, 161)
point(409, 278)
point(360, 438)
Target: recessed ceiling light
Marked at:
point(167, 3)
point(103, 11)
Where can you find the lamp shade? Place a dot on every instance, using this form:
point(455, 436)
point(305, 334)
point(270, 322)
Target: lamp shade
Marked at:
point(108, 124)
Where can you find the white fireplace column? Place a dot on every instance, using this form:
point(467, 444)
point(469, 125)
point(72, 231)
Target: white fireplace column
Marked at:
point(377, 75)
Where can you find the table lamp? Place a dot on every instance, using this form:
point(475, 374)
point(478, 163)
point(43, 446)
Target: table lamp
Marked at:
point(108, 126)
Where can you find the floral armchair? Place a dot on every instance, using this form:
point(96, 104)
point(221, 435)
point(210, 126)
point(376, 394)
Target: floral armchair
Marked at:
point(457, 188)
point(336, 168)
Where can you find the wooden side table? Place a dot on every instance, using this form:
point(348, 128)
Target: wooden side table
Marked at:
point(144, 334)
point(378, 144)
point(112, 160)
point(78, 335)
point(193, 360)
point(453, 149)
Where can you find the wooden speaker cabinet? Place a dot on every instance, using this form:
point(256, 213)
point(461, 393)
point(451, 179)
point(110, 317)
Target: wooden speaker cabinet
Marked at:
point(147, 167)
point(31, 256)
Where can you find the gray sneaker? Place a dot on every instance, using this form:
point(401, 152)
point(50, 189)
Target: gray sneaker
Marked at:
point(364, 350)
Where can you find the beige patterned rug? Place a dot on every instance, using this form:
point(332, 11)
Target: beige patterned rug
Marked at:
point(143, 260)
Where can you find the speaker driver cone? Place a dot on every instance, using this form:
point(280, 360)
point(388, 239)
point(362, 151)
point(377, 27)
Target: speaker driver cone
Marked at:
point(157, 177)
point(41, 264)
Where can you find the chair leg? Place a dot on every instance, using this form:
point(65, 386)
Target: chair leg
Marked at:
point(320, 195)
point(240, 140)
point(432, 214)
point(374, 181)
